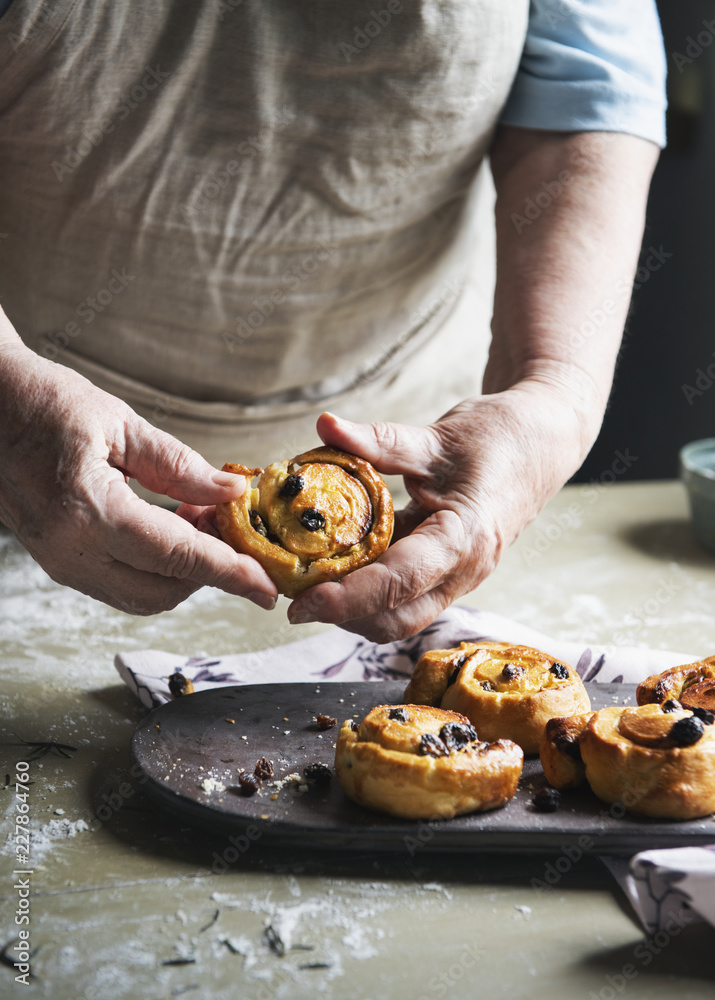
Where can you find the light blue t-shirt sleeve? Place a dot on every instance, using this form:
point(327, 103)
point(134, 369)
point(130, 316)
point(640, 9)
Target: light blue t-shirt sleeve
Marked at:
point(591, 65)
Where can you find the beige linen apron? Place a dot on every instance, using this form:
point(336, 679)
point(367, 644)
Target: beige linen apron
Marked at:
point(235, 214)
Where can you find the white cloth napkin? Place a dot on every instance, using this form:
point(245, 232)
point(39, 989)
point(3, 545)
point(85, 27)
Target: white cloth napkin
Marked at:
point(667, 888)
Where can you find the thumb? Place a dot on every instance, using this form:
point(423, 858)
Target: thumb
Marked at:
point(394, 449)
point(162, 464)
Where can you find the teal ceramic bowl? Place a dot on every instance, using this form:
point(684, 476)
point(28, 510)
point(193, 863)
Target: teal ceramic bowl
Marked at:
point(697, 471)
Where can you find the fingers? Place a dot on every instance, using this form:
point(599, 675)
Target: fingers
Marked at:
point(394, 449)
point(136, 592)
point(403, 622)
point(202, 518)
point(412, 567)
point(156, 541)
point(161, 463)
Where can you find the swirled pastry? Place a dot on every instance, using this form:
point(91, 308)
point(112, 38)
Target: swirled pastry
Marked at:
point(692, 686)
point(421, 762)
point(314, 518)
point(505, 691)
point(655, 760)
point(560, 751)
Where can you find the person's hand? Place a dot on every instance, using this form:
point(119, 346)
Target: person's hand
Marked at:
point(476, 478)
point(66, 451)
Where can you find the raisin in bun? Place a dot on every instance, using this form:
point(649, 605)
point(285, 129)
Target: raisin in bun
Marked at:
point(420, 762)
point(313, 518)
point(692, 685)
point(560, 751)
point(653, 759)
point(505, 691)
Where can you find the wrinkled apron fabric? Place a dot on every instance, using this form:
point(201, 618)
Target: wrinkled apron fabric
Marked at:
point(235, 214)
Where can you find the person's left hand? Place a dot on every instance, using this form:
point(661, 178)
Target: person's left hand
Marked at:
point(476, 478)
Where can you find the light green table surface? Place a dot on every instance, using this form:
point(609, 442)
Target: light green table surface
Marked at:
point(116, 899)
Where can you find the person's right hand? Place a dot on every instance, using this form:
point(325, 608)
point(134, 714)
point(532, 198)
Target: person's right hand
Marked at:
point(66, 450)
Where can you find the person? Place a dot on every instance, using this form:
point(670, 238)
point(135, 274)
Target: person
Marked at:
point(223, 221)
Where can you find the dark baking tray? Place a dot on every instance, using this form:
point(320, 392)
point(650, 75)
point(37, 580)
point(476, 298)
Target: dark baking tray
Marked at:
point(187, 740)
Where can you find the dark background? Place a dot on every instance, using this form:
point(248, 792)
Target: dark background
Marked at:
point(671, 328)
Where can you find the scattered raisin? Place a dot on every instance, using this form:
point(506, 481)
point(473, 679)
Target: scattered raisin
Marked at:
point(397, 715)
point(248, 783)
point(292, 485)
point(353, 725)
point(560, 671)
point(671, 705)
point(547, 800)
point(706, 717)
point(257, 523)
point(178, 685)
point(263, 768)
point(312, 519)
point(511, 671)
point(685, 732)
point(487, 685)
point(318, 773)
point(325, 721)
point(457, 735)
point(432, 745)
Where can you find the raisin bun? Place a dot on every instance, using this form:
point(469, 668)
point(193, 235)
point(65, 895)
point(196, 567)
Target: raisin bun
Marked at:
point(505, 691)
point(420, 762)
point(312, 518)
point(692, 686)
point(653, 759)
point(560, 751)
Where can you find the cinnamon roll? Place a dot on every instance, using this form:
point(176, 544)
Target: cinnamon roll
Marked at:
point(420, 762)
point(691, 685)
point(312, 518)
point(506, 691)
point(656, 760)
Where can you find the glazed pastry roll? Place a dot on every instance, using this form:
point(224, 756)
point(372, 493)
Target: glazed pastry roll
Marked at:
point(560, 751)
point(692, 686)
point(420, 762)
point(505, 691)
point(314, 518)
point(656, 760)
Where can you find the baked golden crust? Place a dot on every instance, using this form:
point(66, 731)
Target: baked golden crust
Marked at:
point(506, 691)
point(634, 757)
point(313, 518)
point(692, 684)
point(421, 762)
point(560, 752)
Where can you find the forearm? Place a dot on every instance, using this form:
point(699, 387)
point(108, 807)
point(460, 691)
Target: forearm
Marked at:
point(570, 214)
